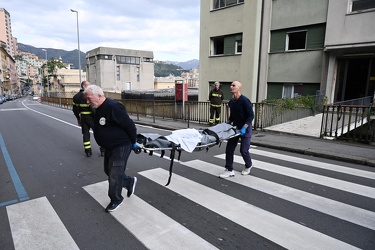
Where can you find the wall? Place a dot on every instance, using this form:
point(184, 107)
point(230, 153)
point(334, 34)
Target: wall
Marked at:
point(243, 18)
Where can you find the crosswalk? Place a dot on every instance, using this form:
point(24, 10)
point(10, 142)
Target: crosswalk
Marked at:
point(302, 186)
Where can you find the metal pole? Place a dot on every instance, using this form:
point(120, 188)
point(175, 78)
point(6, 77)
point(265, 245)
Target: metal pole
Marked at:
point(79, 50)
point(45, 52)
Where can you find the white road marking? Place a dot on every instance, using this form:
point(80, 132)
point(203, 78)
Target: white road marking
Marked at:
point(36, 225)
point(153, 228)
point(316, 164)
point(284, 232)
point(336, 209)
point(310, 177)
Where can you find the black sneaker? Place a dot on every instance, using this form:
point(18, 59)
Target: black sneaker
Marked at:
point(132, 187)
point(88, 153)
point(113, 206)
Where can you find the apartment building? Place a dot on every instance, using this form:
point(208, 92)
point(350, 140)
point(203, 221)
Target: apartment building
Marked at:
point(116, 69)
point(229, 45)
point(289, 48)
point(350, 50)
point(6, 32)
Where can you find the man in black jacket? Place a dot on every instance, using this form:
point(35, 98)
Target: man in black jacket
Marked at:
point(116, 133)
point(84, 115)
point(216, 97)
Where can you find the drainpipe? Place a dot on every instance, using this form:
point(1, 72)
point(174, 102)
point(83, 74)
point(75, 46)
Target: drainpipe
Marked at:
point(260, 49)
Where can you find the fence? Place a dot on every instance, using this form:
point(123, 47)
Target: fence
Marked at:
point(265, 115)
point(349, 122)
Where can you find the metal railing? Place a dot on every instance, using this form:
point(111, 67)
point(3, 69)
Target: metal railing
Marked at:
point(349, 122)
point(265, 115)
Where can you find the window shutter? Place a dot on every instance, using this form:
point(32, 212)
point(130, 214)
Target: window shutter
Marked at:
point(315, 37)
point(229, 45)
point(277, 41)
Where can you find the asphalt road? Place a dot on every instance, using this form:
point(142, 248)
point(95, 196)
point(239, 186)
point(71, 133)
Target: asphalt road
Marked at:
point(53, 196)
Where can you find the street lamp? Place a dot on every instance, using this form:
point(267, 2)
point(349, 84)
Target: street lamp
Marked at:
point(45, 52)
point(79, 51)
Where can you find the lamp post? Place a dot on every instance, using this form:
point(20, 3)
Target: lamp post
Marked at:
point(79, 51)
point(45, 52)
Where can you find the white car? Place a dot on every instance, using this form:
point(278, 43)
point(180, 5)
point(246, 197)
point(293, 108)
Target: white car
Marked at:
point(36, 98)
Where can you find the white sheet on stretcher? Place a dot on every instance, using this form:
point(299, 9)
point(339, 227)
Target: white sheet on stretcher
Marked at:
point(188, 139)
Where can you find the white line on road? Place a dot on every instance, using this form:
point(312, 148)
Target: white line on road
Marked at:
point(36, 225)
point(284, 232)
point(336, 209)
point(314, 178)
point(153, 228)
point(316, 164)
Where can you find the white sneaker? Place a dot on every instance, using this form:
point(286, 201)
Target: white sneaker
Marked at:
point(246, 171)
point(227, 174)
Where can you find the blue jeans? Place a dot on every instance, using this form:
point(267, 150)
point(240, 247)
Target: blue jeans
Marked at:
point(244, 149)
point(114, 166)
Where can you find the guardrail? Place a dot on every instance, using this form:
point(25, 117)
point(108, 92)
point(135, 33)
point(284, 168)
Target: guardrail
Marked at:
point(265, 115)
point(348, 122)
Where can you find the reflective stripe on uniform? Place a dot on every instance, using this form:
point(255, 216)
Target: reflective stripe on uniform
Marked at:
point(87, 144)
point(215, 105)
point(86, 113)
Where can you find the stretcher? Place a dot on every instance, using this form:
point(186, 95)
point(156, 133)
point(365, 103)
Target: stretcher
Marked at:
point(188, 140)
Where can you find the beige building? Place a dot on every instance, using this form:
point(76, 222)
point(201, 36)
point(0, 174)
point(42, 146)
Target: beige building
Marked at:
point(117, 69)
point(66, 81)
point(6, 32)
point(229, 45)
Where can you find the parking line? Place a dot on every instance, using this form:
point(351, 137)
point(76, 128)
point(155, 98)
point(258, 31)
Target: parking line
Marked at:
point(22, 195)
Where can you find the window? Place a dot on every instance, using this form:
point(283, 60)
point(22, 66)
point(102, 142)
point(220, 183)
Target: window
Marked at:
point(217, 4)
point(296, 40)
point(288, 91)
point(359, 5)
point(226, 45)
point(238, 47)
point(128, 60)
point(118, 73)
point(217, 46)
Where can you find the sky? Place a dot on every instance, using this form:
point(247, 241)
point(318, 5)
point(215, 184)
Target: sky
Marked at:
point(169, 28)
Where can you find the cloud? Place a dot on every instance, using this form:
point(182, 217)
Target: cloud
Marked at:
point(169, 28)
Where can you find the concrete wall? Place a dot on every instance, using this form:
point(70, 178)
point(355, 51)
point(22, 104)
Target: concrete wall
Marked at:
point(104, 72)
point(298, 67)
point(293, 13)
point(243, 18)
point(344, 27)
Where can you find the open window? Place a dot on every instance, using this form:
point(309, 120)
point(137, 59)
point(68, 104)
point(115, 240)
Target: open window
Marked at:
point(296, 40)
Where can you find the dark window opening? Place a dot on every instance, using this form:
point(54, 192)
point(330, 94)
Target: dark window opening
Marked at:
point(297, 40)
point(363, 5)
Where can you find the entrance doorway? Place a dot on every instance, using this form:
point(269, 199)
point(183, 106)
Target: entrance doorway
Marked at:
point(355, 79)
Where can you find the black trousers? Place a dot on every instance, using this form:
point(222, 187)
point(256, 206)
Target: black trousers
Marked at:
point(215, 112)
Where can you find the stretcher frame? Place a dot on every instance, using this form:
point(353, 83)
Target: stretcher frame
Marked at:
point(150, 150)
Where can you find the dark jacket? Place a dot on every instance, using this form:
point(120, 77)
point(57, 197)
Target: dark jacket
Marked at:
point(216, 96)
point(241, 112)
point(80, 105)
point(112, 125)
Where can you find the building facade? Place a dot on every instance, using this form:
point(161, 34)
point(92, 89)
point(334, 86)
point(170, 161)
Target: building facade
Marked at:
point(350, 50)
point(6, 32)
point(292, 49)
point(289, 48)
point(116, 69)
point(229, 45)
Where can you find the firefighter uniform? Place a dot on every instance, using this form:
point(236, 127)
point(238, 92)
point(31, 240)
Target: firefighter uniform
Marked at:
point(84, 115)
point(216, 97)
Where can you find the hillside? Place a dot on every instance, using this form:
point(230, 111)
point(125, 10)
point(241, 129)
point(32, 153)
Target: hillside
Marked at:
point(161, 69)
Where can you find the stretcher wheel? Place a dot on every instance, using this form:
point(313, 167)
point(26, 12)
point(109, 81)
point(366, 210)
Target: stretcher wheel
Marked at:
point(137, 150)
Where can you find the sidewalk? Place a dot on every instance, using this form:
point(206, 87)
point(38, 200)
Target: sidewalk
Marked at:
point(299, 136)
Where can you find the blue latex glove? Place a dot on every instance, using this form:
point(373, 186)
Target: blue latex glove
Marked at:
point(134, 146)
point(243, 131)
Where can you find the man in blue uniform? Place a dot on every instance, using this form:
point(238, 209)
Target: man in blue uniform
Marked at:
point(116, 133)
point(241, 116)
point(216, 97)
